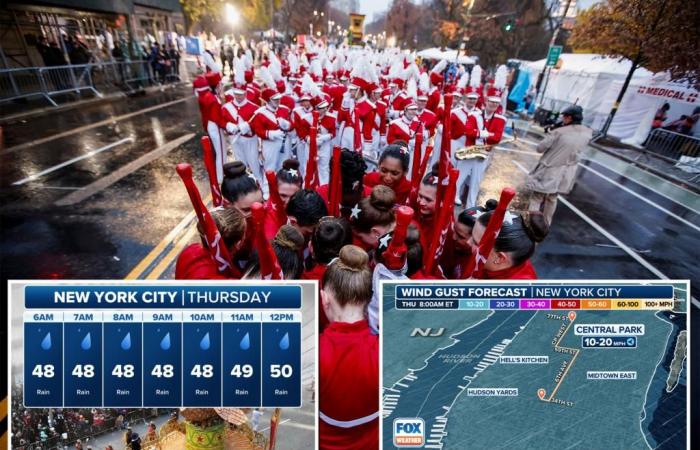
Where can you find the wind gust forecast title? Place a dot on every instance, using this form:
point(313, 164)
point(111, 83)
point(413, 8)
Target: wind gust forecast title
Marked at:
point(158, 296)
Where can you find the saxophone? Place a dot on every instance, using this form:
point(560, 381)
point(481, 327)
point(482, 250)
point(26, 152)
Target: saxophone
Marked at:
point(480, 151)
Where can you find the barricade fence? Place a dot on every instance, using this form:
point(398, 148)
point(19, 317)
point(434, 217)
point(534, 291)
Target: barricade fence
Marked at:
point(97, 78)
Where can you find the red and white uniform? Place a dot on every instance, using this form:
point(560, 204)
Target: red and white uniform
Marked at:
point(348, 387)
point(366, 110)
point(324, 140)
point(429, 120)
point(336, 92)
point(215, 125)
point(397, 102)
point(245, 143)
point(302, 120)
point(433, 99)
point(380, 126)
point(346, 123)
point(266, 125)
point(458, 128)
point(480, 129)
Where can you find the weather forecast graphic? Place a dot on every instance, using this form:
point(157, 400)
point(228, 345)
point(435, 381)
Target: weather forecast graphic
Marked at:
point(593, 366)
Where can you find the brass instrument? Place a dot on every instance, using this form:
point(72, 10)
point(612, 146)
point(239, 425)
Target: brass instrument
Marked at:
point(480, 151)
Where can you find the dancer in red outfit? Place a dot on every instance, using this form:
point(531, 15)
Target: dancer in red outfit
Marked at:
point(348, 357)
point(195, 262)
point(373, 218)
point(332, 234)
point(515, 245)
point(393, 168)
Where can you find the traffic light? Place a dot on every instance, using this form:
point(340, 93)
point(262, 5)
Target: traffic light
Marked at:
point(509, 25)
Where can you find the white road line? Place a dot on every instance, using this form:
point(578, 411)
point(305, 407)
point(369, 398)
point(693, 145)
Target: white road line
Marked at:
point(624, 188)
point(607, 234)
point(642, 198)
point(123, 171)
point(71, 161)
point(91, 126)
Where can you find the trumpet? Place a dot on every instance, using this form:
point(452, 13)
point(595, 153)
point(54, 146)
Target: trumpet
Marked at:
point(480, 151)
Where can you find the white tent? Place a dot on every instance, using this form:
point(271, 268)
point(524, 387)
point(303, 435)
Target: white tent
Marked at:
point(449, 55)
point(585, 79)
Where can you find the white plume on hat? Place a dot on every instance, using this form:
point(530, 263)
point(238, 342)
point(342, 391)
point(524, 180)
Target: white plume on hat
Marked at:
point(266, 78)
point(396, 69)
point(239, 72)
point(293, 62)
point(308, 86)
point(411, 72)
point(338, 63)
point(424, 82)
point(499, 80)
point(316, 68)
point(463, 80)
point(440, 66)
point(248, 59)
point(475, 80)
point(412, 88)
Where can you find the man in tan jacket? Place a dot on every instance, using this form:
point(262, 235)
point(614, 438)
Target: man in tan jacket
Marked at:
point(556, 171)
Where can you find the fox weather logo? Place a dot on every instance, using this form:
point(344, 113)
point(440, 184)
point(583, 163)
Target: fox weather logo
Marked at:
point(409, 432)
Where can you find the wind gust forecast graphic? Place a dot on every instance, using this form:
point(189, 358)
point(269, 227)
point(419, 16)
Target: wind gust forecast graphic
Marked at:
point(546, 365)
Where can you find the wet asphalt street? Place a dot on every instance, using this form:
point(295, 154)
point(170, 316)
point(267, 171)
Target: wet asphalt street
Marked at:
point(122, 210)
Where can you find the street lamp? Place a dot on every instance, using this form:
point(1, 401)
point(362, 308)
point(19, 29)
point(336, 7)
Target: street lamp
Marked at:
point(231, 14)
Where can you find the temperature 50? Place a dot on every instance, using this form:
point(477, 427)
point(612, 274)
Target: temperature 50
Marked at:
point(281, 370)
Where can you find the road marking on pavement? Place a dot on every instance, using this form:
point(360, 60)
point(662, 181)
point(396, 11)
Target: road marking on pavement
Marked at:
point(104, 182)
point(91, 126)
point(606, 233)
point(629, 177)
point(72, 160)
point(642, 198)
point(164, 263)
point(620, 186)
point(158, 249)
point(63, 188)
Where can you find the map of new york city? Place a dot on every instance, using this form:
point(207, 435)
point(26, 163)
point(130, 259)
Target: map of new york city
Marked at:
point(544, 374)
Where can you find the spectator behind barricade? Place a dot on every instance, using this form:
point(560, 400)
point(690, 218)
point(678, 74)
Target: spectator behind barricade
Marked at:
point(43, 48)
point(660, 116)
point(174, 56)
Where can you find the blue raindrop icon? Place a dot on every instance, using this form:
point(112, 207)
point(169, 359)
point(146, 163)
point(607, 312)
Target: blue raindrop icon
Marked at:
point(205, 343)
point(284, 343)
point(87, 342)
point(165, 342)
point(46, 342)
point(245, 342)
point(126, 342)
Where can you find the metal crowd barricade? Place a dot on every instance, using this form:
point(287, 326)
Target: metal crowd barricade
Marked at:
point(671, 145)
point(50, 81)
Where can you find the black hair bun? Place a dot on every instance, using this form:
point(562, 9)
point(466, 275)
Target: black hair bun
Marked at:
point(490, 204)
point(290, 164)
point(235, 169)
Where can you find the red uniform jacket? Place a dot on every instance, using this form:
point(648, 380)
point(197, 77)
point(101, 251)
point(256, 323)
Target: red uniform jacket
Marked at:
point(348, 387)
point(399, 101)
point(195, 263)
point(336, 92)
point(478, 122)
point(264, 121)
point(287, 101)
point(429, 120)
point(402, 189)
point(328, 124)
point(302, 122)
point(245, 110)
point(252, 93)
point(433, 99)
point(524, 271)
point(210, 109)
point(399, 130)
point(366, 110)
point(380, 120)
point(459, 119)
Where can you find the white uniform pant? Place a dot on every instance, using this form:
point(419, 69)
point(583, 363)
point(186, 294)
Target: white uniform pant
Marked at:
point(272, 150)
point(245, 150)
point(302, 156)
point(471, 171)
point(217, 145)
point(324, 162)
point(347, 139)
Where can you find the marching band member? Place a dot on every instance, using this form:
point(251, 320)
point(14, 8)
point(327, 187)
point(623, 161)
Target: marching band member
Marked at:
point(482, 128)
point(374, 218)
point(346, 118)
point(380, 121)
point(213, 120)
point(270, 128)
point(460, 129)
point(302, 121)
point(245, 143)
point(324, 140)
point(348, 357)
